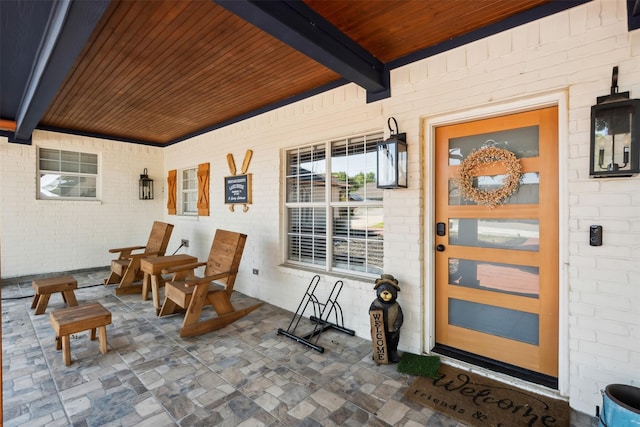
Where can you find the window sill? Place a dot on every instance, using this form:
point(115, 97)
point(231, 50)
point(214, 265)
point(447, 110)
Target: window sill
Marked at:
point(70, 201)
point(365, 278)
point(183, 217)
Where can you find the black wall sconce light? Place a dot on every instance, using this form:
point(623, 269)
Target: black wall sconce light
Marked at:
point(615, 134)
point(392, 159)
point(145, 186)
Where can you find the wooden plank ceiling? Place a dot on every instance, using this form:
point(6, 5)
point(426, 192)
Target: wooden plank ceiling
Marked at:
point(157, 72)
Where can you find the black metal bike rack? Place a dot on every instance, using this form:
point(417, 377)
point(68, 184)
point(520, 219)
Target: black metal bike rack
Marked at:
point(320, 317)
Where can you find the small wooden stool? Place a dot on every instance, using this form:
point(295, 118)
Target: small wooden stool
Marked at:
point(77, 319)
point(42, 290)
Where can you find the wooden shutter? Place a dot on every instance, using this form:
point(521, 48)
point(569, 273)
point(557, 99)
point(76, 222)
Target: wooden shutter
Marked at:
point(203, 189)
point(171, 183)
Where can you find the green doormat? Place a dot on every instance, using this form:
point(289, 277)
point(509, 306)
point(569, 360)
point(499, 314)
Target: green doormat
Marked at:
point(424, 366)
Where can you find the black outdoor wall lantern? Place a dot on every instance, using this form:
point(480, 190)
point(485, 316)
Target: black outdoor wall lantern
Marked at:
point(392, 159)
point(615, 134)
point(146, 186)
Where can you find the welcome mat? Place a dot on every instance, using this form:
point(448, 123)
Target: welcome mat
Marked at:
point(482, 402)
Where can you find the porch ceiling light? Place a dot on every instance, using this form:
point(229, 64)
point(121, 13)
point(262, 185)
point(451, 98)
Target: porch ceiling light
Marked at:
point(392, 159)
point(615, 134)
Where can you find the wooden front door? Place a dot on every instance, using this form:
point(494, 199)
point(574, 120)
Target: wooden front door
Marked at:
point(497, 268)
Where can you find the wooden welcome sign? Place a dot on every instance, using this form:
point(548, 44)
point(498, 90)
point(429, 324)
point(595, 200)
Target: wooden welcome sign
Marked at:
point(237, 188)
point(378, 337)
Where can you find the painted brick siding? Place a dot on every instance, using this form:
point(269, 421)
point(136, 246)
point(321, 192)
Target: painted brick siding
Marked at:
point(45, 236)
point(567, 57)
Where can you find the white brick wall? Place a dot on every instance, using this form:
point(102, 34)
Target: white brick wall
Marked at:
point(570, 53)
point(44, 236)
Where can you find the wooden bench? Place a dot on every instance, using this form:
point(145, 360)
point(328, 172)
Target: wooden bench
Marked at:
point(43, 288)
point(72, 320)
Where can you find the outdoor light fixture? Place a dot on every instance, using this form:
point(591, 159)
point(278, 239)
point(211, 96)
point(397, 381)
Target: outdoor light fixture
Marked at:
point(615, 134)
point(145, 186)
point(392, 159)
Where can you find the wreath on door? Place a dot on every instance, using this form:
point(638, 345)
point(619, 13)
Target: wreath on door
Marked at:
point(479, 158)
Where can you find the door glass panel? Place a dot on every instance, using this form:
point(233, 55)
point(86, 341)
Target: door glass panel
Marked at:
point(504, 278)
point(527, 193)
point(516, 234)
point(498, 321)
point(522, 141)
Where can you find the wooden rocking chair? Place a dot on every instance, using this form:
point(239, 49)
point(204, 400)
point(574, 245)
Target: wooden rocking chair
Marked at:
point(125, 270)
point(186, 292)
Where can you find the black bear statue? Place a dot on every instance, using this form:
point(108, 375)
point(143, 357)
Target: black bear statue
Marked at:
point(387, 289)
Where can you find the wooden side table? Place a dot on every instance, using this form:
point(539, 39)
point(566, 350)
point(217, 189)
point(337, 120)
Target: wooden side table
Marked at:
point(72, 320)
point(152, 268)
point(43, 288)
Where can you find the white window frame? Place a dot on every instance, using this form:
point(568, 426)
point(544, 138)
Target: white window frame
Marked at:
point(327, 207)
point(184, 193)
point(54, 166)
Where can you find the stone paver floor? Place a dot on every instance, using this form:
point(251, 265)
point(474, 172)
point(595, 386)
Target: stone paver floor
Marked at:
point(242, 375)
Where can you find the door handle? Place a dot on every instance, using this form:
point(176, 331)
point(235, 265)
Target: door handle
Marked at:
point(440, 248)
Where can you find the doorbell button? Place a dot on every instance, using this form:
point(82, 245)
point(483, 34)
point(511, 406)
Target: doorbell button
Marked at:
point(595, 235)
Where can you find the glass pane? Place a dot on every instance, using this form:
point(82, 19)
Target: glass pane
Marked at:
point(69, 186)
point(76, 186)
point(88, 159)
point(353, 165)
point(89, 168)
point(358, 238)
point(70, 156)
point(516, 234)
point(68, 161)
point(375, 254)
point(189, 202)
point(189, 181)
point(53, 185)
point(306, 174)
point(50, 185)
point(50, 165)
point(68, 166)
point(307, 249)
point(358, 254)
point(361, 222)
point(307, 188)
point(307, 220)
point(613, 128)
point(88, 163)
point(88, 186)
point(502, 322)
point(504, 278)
point(523, 142)
point(49, 154)
point(528, 191)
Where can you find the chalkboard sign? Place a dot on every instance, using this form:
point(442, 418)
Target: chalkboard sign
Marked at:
point(237, 189)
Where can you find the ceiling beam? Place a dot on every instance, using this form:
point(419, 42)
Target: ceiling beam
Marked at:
point(70, 25)
point(633, 14)
point(300, 27)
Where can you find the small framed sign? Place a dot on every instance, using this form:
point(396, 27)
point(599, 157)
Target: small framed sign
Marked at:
point(237, 189)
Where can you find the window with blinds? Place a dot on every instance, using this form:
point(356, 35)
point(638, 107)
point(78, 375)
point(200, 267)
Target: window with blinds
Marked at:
point(67, 175)
point(334, 210)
